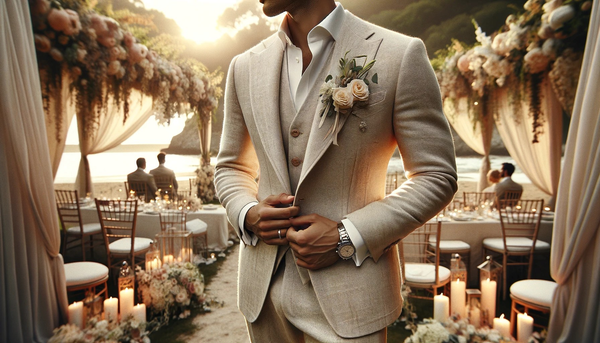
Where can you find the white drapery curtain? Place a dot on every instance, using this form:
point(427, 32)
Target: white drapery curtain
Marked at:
point(33, 296)
point(110, 132)
point(478, 137)
point(575, 315)
point(57, 137)
point(539, 161)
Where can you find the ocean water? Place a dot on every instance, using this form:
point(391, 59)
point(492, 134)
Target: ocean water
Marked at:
point(114, 165)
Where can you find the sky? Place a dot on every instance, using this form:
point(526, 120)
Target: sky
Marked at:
point(197, 18)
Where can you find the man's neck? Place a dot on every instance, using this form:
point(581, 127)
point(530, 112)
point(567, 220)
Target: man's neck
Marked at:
point(302, 19)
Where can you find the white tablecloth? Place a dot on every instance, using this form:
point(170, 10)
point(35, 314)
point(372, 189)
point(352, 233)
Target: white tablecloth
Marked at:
point(473, 232)
point(148, 225)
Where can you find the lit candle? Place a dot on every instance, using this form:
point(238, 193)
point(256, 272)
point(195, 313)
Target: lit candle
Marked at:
point(126, 302)
point(139, 313)
point(168, 259)
point(524, 327)
point(111, 309)
point(458, 297)
point(488, 299)
point(502, 325)
point(76, 314)
point(475, 319)
point(441, 307)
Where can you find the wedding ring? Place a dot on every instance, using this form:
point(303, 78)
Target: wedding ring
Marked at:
point(279, 233)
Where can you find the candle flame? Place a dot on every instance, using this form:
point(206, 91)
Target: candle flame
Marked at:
point(525, 314)
point(458, 280)
point(502, 316)
point(488, 279)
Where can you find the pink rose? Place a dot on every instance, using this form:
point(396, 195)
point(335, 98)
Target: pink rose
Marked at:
point(343, 98)
point(360, 90)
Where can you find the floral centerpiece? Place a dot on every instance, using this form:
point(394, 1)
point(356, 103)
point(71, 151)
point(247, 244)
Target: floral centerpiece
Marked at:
point(126, 331)
point(171, 291)
point(453, 330)
point(205, 177)
point(545, 40)
point(100, 60)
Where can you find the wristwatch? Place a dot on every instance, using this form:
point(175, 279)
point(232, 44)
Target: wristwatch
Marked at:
point(345, 248)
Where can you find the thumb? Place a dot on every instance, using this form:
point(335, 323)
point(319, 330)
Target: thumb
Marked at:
point(282, 198)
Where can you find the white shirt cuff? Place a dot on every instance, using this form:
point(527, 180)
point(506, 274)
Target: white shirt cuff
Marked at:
point(359, 244)
point(247, 237)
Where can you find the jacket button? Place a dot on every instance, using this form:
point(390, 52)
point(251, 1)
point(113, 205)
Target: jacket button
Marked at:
point(295, 133)
point(296, 161)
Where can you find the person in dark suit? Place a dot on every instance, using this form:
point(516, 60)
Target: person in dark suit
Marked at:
point(162, 172)
point(141, 176)
point(506, 183)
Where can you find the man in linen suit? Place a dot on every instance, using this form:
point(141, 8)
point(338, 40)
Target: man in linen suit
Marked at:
point(506, 183)
point(318, 258)
point(162, 171)
point(141, 176)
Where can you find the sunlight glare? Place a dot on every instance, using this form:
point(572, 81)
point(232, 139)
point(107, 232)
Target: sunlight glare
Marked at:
point(197, 18)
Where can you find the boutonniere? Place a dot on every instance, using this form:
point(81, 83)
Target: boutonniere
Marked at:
point(339, 94)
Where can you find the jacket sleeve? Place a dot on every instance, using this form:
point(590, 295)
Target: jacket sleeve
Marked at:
point(425, 143)
point(237, 163)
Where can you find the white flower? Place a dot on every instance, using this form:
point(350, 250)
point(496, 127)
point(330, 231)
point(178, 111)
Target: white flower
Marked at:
point(560, 16)
point(360, 90)
point(181, 297)
point(342, 98)
point(551, 5)
point(327, 88)
point(536, 61)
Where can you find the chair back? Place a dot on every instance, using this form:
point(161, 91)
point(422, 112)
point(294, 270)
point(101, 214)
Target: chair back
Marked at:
point(140, 189)
point(393, 181)
point(471, 200)
point(172, 219)
point(520, 219)
point(164, 183)
point(67, 204)
point(510, 198)
point(118, 219)
point(416, 247)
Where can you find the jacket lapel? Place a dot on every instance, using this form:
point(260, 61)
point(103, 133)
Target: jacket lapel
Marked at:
point(265, 79)
point(356, 44)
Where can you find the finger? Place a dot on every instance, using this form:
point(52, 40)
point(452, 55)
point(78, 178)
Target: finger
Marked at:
point(282, 198)
point(274, 225)
point(304, 220)
point(270, 213)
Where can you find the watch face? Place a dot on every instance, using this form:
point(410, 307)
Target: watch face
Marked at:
point(346, 251)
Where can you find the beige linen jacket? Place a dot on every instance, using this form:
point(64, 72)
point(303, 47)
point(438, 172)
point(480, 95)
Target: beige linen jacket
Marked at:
point(345, 181)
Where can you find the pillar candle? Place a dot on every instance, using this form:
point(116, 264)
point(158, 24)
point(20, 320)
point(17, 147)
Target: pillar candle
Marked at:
point(475, 318)
point(458, 297)
point(126, 302)
point(524, 327)
point(488, 299)
point(168, 259)
point(76, 314)
point(111, 309)
point(139, 313)
point(441, 307)
point(502, 325)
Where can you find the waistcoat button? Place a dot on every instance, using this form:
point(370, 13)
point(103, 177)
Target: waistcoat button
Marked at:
point(295, 133)
point(296, 161)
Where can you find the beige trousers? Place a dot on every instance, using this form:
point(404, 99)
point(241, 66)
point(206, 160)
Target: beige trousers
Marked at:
point(292, 313)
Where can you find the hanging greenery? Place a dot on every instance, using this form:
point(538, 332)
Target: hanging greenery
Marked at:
point(546, 39)
point(104, 63)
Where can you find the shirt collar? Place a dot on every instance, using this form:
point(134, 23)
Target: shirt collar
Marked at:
point(328, 28)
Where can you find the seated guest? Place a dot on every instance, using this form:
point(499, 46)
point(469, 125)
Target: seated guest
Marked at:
point(162, 172)
point(506, 183)
point(141, 176)
point(493, 177)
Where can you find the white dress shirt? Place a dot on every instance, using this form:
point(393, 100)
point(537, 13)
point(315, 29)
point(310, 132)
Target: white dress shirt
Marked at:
point(320, 42)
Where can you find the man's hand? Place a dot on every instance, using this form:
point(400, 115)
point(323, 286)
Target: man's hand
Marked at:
point(270, 218)
point(314, 246)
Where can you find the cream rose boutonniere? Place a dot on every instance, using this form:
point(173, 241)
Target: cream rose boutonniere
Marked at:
point(339, 94)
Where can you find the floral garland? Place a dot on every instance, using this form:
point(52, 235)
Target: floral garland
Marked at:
point(205, 177)
point(102, 61)
point(171, 291)
point(547, 39)
point(96, 330)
